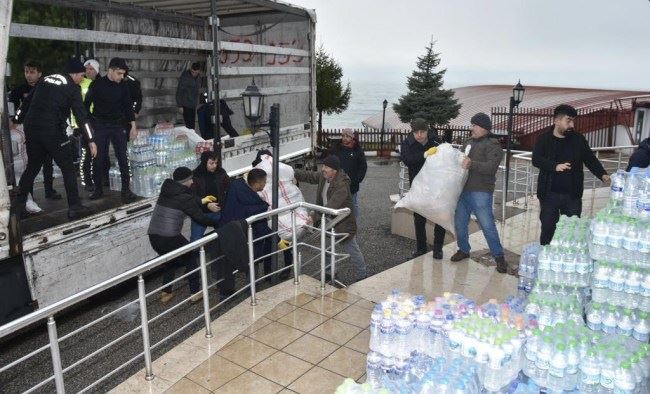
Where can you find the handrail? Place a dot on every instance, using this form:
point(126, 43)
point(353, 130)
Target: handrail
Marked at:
point(58, 306)
point(300, 204)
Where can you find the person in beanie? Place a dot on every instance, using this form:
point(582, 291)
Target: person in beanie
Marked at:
point(412, 154)
point(175, 202)
point(112, 110)
point(353, 162)
point(45, 112)
point(482, 162)
point(334, 192)
point(560, 154)
point(641, 156)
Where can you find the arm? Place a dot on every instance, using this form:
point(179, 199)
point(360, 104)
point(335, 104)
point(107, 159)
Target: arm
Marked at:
point(363, 165)
point(21, 112)
point(127, 107)
point(307, 176)
point(339, 195)
point(80, 113)
point(90, 96)
point(540, 160)
point(411, 157)
point(193, 210)
point(136, 95)
point(591, 161)
point(491, 165)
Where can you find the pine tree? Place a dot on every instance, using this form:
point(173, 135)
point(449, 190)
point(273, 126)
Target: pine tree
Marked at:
point(426, 98)
point(331, 97)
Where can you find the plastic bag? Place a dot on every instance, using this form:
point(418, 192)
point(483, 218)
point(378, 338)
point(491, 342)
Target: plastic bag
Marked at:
point(436, 188)
point(288, 194)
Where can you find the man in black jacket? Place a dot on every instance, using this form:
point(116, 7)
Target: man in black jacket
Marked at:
point(187, 93)
point(45, 112)
point(560, 154)
point(641, 157)
point(353, 162)
point(112, 110)
point(412, 153)
point(175, 202)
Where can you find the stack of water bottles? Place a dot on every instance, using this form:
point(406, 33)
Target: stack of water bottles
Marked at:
point(553, 304)
point(528, 269)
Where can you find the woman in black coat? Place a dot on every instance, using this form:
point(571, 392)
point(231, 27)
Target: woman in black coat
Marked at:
point(211, 183)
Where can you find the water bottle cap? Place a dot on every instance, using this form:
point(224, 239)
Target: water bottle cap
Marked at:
point(560, 347)
point(626, 365)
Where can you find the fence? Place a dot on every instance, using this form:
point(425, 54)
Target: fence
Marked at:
point(371, 138)
point(56, 381)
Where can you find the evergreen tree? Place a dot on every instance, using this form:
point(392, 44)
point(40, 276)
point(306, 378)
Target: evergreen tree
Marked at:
point(426, 98)
point(331, 97)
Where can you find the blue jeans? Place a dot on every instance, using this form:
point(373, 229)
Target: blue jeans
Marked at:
point(197, 230)
point(479, 203)
point(351, 247)
point(355, 205)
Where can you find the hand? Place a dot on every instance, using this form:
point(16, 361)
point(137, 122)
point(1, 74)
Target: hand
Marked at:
point(214, 207)
point(208, 199)
point(467, 163)
point(133, 134)
point(606, 179)
point(93, 149)
point(563, 167)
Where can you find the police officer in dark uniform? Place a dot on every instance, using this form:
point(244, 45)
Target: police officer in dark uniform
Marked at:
point(45, 112)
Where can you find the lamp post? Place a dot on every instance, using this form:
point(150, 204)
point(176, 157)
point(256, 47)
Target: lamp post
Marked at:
point(516, 99)
point(383, 123)
point(253, 105)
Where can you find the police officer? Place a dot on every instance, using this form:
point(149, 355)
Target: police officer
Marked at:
point(45, 112)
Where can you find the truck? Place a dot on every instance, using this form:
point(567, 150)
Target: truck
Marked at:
point(264, 42)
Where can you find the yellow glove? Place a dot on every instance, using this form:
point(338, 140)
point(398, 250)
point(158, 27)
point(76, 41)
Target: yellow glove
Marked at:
point(283, 244)
point(208, 199)
point(431, 151)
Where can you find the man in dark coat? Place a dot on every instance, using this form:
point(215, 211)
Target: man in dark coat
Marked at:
point(175, 202)
point(560, 154)
point(412, 154)
point(210, 184)
point(187, 93)
point(641, 157)
point(353, 162)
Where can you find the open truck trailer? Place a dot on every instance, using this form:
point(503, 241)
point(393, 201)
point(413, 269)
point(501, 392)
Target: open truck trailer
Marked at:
point(267, 42)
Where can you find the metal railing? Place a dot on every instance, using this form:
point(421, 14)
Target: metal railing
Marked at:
point(51, 311)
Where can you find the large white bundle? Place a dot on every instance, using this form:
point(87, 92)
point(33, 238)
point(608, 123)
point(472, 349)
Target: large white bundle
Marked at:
point(288, 194)
point(436, 188)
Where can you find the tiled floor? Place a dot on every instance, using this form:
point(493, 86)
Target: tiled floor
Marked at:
point(301, 339)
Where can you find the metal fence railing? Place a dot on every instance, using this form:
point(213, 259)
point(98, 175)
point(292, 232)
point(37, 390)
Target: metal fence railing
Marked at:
point(48, 315)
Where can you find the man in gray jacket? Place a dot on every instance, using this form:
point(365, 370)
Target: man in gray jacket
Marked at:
point(483, 157)
point(187, 94)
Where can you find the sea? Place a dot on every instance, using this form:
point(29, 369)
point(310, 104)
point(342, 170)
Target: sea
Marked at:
point(366, 100)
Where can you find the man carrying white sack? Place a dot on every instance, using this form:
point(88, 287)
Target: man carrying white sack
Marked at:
point(482, 162)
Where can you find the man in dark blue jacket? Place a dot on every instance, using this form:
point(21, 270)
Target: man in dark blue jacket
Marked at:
point(353, 162)
point(641, 157)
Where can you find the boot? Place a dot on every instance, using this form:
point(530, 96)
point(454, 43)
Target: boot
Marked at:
point(52, 194)
point(502, 265)
point(166, 297)
point(128, 196)
point(77, 211)
point(458, 256)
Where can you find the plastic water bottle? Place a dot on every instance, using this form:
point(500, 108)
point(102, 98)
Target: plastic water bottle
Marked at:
point(557, 369)
point(624, 381)
point(618, 185)
point(595, 317)
point(625, 323)
point(608, 371)
point(610, 322)
point(572, 368)
point(544, 354)
point(641, 330)
point(373, 369)
point(589, 373)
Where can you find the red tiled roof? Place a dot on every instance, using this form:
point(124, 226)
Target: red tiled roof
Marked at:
point(483, 98)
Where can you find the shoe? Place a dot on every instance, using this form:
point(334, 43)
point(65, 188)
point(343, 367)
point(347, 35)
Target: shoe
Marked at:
point(502, 265)
point(437, 254)
point(77, 211)
point(196, 298)
point(96, 194)
point(458, 256)
point(166, 297)
point(32, 207)
point(417, 253)
point(128, 196)
point(53, 195)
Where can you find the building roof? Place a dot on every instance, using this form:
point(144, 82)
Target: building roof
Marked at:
point(482, 98)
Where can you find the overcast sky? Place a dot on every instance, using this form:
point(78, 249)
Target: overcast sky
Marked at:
point(574, 43)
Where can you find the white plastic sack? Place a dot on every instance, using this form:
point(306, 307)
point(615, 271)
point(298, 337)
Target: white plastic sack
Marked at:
point(288, 194)
point(436, 188)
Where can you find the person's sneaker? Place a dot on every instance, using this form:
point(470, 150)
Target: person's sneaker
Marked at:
point(458, 256)
point(502, 265)
point(196, 297)
point(96, 194)
point(437, 254)
point(32, 207)
point(77, 211)
point(53, 195)
point(128, 197)
point(166, 297)
point(417, 254)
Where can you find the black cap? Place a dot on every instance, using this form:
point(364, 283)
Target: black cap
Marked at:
point(419, 124)
point(332, 161)
point(182, 174)
point(118, 62)
point(74, 66)
point(482, 120)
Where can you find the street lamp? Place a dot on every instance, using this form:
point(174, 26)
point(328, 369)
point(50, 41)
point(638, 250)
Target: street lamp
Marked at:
point(253, 103)
point(516, 99)
point(383, 123)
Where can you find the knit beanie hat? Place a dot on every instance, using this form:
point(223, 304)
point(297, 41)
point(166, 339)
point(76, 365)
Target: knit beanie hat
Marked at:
point(348, 132)
point(419, 124)
point(74, 66)
point(482, 120)
point(332, 161)
point(182, 174)
point(92, 63)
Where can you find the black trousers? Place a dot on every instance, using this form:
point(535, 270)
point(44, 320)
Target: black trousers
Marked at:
point(421, 234)
point(48, 174)
point(43, 145)
point(105, 134)
point(227, 125)
point(163, 245)
point(189, 117)
point(552, 206)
